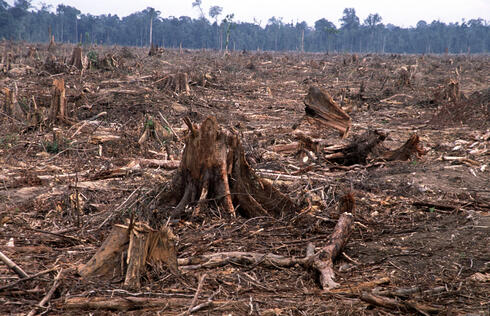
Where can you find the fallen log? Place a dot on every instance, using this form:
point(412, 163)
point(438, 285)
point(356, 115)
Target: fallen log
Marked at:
point(213, 167)
point(321, 107)
point(123, 303)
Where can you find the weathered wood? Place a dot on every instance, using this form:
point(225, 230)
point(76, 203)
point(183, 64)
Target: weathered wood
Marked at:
point(358, 150)
point(322, 108)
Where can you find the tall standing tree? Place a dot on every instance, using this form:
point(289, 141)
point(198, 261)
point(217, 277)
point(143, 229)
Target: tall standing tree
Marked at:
point(198, 4)
point(350, 25)
point(371, 22)
point(215, 12)
point(152, 14)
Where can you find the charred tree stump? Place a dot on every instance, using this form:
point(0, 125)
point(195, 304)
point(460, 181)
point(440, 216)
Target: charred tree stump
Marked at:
point(322, 108)
point(213, 167)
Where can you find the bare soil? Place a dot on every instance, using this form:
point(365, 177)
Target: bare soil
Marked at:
point(421, 224)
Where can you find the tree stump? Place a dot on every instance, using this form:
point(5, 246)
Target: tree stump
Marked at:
point(77, 59)
point(58, 103)
point(321, 107)
point(11, 106)
point(128, 249)
point(178, 83)
point(213, 168)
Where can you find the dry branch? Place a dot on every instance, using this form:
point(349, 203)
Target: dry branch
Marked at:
point(13, 266)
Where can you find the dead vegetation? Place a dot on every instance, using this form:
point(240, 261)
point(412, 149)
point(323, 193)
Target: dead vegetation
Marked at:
point(182, 182)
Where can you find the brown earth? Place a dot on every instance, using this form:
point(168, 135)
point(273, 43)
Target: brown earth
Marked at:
point(421, 224)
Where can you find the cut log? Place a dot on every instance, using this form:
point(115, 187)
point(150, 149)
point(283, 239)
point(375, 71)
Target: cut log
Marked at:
point(213, 167)
point(322, 108)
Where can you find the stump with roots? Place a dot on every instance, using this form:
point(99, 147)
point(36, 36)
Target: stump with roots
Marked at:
point(213, 168)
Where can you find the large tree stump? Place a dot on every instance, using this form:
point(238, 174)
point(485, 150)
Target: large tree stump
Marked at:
point(127, 251)
point(323, 109)
point(213, 168)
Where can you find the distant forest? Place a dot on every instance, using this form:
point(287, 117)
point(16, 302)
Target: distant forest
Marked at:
point(212, 30)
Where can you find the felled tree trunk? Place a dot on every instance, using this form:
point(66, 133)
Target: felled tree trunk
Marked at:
point(323, 109)
point(213, 167)
point(178, 83)
point(141, 244)
point(11, 106)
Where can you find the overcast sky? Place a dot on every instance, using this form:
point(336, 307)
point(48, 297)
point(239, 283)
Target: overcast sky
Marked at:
point(402, 12)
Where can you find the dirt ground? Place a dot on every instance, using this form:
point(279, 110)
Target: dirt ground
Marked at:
point(420, 226)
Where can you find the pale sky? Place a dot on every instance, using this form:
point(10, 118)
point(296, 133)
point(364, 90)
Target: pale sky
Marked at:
point(403, 13)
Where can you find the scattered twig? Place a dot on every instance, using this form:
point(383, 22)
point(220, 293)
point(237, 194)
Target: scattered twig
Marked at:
point(13, 266)
point(48, 295)
point(27, 279)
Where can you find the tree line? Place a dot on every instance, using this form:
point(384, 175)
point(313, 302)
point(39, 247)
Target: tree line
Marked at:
point(211, 30)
